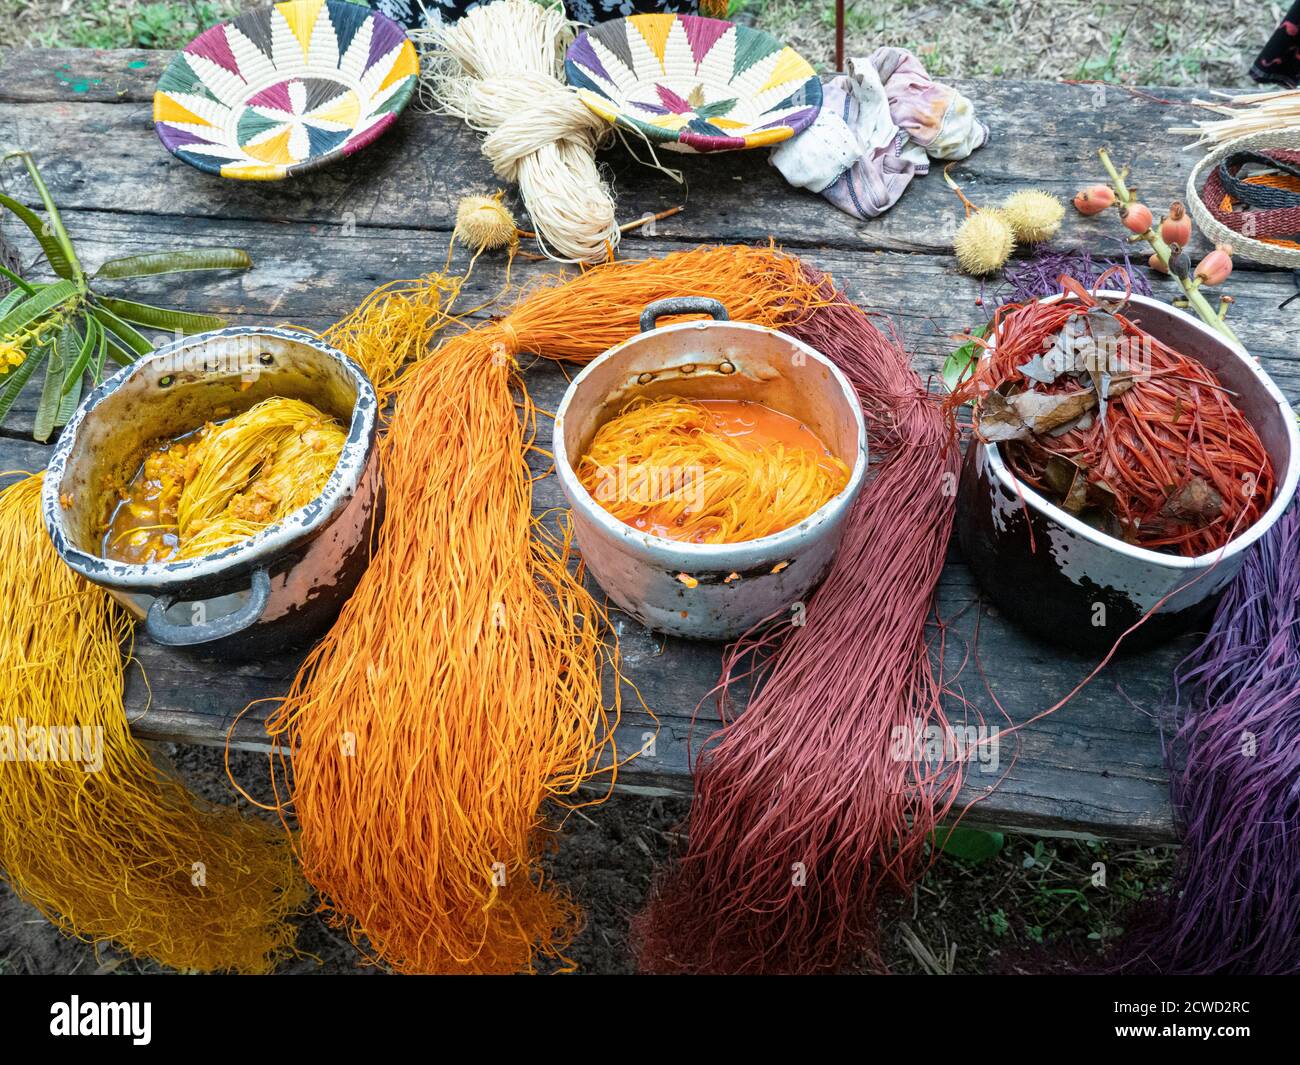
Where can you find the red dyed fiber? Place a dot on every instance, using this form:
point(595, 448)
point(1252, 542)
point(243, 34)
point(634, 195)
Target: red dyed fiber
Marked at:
point(1176, 423)
point(803, 811)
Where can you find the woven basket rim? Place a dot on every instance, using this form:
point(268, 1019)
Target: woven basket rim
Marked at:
point(351, 146)
point(1216, 231)
point(618, 110)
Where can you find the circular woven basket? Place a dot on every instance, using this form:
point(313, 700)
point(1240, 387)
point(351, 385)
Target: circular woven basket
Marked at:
point(1216, 231)
point(694, 84)
point(284, 89)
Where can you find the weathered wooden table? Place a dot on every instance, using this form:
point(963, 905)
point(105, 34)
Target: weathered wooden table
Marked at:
point(322, 242)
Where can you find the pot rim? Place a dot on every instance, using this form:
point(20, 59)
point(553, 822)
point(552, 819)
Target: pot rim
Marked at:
point(1286, 485)
point(301, 525)
point(681, 554)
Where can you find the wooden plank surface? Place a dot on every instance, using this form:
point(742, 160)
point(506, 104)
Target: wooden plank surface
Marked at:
point(323, 241)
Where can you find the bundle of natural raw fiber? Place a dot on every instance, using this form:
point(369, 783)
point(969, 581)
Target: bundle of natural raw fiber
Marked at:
point(1234, 764)
point(1251, 112)
point(501, 70)
point(93, 833)
point(460, 689)
point(806, 805)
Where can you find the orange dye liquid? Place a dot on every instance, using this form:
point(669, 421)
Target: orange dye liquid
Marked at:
point(754, 426)
point(143, 526)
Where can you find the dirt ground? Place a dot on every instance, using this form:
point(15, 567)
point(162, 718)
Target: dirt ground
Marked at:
point(962, 918)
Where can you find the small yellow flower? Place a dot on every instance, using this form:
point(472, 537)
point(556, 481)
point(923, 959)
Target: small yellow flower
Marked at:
point(15, 347)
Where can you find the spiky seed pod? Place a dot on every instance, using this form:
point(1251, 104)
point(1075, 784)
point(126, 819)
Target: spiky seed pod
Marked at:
point(484, 224)
point(984, 243)
point(1034, 215)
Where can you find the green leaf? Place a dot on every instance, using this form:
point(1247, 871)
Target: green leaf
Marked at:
point(18, 283)
point(959, 363)
point(118, 350)
point(17, 377)
point(12, 300)
point(52, 213)
point(101, 354)
point(175, 262)
point(161, 317)
point(47, 409)
point(33, 307)
point(968, 844)
point(68, 403)
point(78, 367)
point(53, 252)
point(123, 335)
point(68, 349)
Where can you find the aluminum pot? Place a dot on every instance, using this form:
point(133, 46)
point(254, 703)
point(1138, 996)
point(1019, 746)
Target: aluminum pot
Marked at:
point(1071, 584)
point(709, 591)
point(275, 591)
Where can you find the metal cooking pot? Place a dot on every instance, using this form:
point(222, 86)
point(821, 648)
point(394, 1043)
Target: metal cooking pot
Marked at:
point(1068, 582)
point(276, 590)
point(728, 587)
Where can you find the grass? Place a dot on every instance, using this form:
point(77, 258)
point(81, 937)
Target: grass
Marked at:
point(1160, 42)
point(108, 23)
point(1037, 898)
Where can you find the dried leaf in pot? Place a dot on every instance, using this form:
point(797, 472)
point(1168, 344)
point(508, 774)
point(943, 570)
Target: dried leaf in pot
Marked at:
point(1003, 418)
point(1197, 502)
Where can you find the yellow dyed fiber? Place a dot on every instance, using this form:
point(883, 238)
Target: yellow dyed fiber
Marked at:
point(254, 470)
point(395, 325)
point(664, 463)
point(93, 833)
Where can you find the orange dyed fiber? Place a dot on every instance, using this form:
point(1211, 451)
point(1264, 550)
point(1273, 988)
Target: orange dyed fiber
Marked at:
point(460, 689)
point(669, 467)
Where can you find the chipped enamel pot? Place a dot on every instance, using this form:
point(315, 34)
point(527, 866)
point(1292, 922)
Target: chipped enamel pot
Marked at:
point(709, 591)
point(272, 592)
point(1069, 583)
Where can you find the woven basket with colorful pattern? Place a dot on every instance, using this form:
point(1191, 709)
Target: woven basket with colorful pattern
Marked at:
point(284, 89)
point(696, 84)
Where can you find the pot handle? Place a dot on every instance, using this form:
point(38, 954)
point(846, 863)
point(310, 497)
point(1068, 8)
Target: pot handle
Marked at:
point(682, 305)
point(166, 633)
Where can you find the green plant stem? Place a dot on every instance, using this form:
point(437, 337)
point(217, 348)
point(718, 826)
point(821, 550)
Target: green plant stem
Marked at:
point(52, 215)
point(14, 279)
point(1195, 298)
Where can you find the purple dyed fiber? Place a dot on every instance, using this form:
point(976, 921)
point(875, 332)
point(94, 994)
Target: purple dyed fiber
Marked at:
point(1234, 906)
point(1038, 276)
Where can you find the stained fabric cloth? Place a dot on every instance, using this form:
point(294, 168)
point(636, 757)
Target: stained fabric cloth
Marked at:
point(879, 126)
point(413, 14)
point(1279, 62)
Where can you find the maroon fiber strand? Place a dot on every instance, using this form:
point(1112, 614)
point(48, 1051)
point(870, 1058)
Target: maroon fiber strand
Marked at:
point(804, 808)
